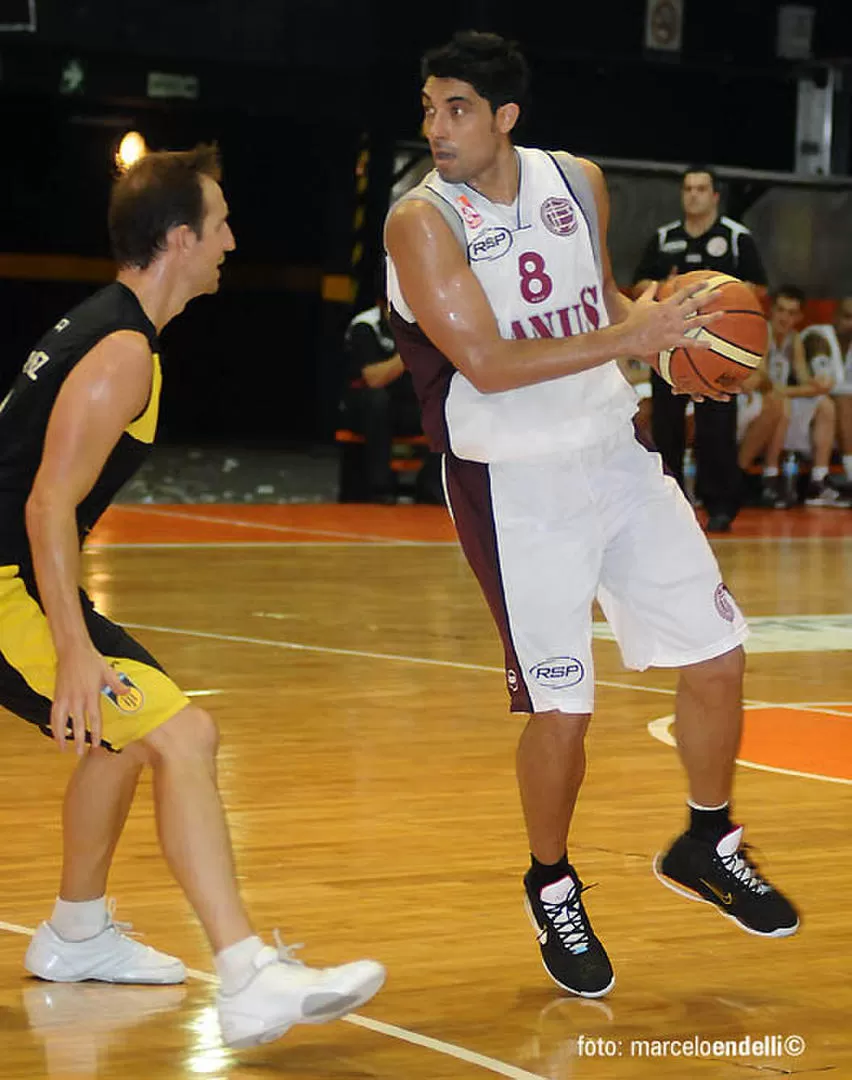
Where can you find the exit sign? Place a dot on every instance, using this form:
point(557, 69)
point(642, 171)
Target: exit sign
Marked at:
point(18, 15)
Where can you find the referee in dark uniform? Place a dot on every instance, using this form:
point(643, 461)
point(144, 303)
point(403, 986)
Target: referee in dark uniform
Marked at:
point(702, 240)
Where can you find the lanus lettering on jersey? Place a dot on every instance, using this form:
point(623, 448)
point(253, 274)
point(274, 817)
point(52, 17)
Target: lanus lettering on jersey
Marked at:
point(577, 318)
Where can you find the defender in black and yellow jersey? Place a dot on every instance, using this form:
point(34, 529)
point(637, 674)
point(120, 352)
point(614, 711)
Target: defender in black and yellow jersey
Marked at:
point(146, 697)
point(77, 423)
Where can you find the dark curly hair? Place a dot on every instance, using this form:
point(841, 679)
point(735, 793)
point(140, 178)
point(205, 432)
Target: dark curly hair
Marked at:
point(493, 66)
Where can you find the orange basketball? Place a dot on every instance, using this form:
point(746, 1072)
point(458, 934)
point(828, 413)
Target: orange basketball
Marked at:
point(728, 350)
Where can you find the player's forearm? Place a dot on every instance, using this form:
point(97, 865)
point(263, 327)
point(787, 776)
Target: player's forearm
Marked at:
point(503, 364)
point(383, 372)
point(52, 532)
point(805, 391)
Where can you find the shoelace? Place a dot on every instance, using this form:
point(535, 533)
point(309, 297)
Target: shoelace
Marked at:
point(744, 871)
point(125, 928)
point(285, 952)
point(567, 919)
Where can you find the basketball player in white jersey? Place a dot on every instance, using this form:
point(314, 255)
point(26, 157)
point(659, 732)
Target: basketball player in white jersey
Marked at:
point(831, 344)
point(506, 312)
point(805, 386)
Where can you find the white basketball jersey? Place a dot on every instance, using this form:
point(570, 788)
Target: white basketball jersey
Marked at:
point(536, 263)
point(779, 361)
point(831, 364)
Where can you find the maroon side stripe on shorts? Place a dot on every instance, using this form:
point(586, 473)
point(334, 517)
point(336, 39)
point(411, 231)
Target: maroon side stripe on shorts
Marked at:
point(469, 492)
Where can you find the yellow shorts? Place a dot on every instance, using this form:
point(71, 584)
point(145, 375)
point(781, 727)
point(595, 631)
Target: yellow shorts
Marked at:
point(28, 666)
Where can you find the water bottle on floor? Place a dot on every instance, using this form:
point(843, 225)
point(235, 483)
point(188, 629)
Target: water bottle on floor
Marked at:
point(790, 478)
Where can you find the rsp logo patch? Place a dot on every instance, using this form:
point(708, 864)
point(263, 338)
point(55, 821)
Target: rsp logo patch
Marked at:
point(491, 244)
point(558, 672)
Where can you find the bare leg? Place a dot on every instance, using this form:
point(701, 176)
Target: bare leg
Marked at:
point(823, 428)
point(708, 725)
point(775, 446)
point(191, 824)
point(762, 432)
point(551, 763)
point(97, 802)
point(843, 403)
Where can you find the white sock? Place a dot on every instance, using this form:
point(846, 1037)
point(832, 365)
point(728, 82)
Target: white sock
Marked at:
point(77, 920)
point(235, 965)
point(770, 470)
point(847, 465)
point(697, 806)
point(819, 473)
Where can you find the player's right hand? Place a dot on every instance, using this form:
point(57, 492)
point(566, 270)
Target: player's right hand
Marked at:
point(652, 326)
point(81, 675)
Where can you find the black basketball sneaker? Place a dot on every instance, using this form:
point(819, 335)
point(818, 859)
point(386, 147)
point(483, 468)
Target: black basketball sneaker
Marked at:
point(571, 953)
point(723, 875)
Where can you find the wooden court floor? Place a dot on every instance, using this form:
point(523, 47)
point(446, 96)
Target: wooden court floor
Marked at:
point(367, 765)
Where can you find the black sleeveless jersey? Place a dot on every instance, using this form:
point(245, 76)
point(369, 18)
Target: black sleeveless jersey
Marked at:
point(26, 409)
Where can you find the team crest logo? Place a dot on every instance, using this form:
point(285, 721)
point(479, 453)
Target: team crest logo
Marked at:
point(512, 679)
point(472, 217)
point(724, 602)
point(130, 701)
point(559, 216)
point(717, 246)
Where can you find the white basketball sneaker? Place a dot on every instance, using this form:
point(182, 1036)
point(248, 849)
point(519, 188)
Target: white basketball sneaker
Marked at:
point(283, 991)
point(110, 956)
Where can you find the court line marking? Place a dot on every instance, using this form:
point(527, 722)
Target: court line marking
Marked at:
point(460, 1053)
point(240, 524)
point(660, 730)
point(95, 546)
point(366, 541)
point(363, 654)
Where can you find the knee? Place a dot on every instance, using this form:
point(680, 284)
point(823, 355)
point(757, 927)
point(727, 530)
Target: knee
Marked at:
point(719, 675)
point(191, 733)
point(567, 727)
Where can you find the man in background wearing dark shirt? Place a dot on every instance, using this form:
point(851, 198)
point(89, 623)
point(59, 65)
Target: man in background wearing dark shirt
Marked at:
point(379, 403)
point(702, 240)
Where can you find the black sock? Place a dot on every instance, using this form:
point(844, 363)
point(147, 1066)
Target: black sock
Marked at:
point(542, 874)
point(710, 825)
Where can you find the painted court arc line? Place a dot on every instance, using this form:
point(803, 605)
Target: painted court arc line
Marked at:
point(239, 523)
point(460, 1053)
point(659, 729)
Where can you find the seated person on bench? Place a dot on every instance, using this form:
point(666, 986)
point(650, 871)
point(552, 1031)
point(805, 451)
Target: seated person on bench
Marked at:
point(379, 403)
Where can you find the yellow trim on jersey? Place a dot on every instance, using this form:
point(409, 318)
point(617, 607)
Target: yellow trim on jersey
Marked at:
point(27, 645)
point(144, 427)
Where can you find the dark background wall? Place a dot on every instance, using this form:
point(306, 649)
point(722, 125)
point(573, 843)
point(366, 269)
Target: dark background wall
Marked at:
point(293, 92)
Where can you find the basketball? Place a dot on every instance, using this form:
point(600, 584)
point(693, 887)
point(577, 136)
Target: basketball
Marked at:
point(725, 352)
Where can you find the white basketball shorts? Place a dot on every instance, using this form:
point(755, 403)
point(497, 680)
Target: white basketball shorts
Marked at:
point(749, 407)
point(546, 537)
point(798, 435)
